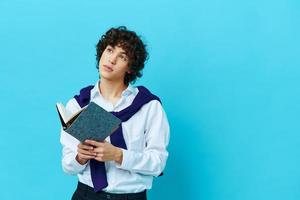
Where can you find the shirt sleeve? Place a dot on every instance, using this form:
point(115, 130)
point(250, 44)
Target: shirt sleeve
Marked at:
point(152, 160)
point(69, 151)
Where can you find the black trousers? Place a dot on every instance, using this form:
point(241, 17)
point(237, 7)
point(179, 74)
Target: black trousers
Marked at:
point(85, 192)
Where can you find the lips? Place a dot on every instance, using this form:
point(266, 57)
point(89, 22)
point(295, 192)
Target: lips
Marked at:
point(107, 68)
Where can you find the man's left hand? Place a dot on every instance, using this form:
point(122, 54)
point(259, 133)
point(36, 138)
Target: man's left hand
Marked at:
point(105, 151)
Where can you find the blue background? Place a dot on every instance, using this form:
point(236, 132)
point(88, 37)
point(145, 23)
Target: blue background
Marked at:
point(228, 73)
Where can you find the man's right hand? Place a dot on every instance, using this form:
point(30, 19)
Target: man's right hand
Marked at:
point(84, 153)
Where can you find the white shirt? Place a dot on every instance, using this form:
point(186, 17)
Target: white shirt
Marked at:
point(146, 135)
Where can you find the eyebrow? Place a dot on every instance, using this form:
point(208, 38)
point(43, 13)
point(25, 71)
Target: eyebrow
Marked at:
point(122, 52)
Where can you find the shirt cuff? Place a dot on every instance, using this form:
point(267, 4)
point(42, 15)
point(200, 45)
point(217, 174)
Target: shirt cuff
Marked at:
point(125, 161)
point(79, 167)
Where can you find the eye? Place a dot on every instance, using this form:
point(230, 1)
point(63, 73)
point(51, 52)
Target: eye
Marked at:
point(109, 49)
point(123, 57)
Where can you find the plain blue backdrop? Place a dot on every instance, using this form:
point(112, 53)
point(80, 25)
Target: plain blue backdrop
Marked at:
point(228, 74)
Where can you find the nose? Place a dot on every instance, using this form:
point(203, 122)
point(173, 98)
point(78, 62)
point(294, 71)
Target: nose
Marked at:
point(113, 58)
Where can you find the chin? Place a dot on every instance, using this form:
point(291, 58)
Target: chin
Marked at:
point(106, 77)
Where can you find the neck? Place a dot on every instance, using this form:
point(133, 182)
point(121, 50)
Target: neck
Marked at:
point(111, 90)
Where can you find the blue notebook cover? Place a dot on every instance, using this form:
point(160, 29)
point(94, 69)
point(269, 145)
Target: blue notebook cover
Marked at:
point(93, 123)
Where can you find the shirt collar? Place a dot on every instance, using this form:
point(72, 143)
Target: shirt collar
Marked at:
point(128, 91)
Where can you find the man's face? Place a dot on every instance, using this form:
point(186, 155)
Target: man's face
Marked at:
point(113, 64)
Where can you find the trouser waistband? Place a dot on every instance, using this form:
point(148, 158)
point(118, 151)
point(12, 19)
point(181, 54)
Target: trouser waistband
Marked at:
point(89, 192)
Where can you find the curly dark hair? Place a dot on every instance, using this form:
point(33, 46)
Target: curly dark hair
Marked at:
point(133, 46)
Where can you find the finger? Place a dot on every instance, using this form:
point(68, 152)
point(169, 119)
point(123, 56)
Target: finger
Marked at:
point(94, 143)
point(85, 152)
point(99, 157)
point(82, 156)
point(85, 146)
point(99, 150)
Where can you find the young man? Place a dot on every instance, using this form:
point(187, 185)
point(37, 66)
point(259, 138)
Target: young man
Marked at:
point(122, 166)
